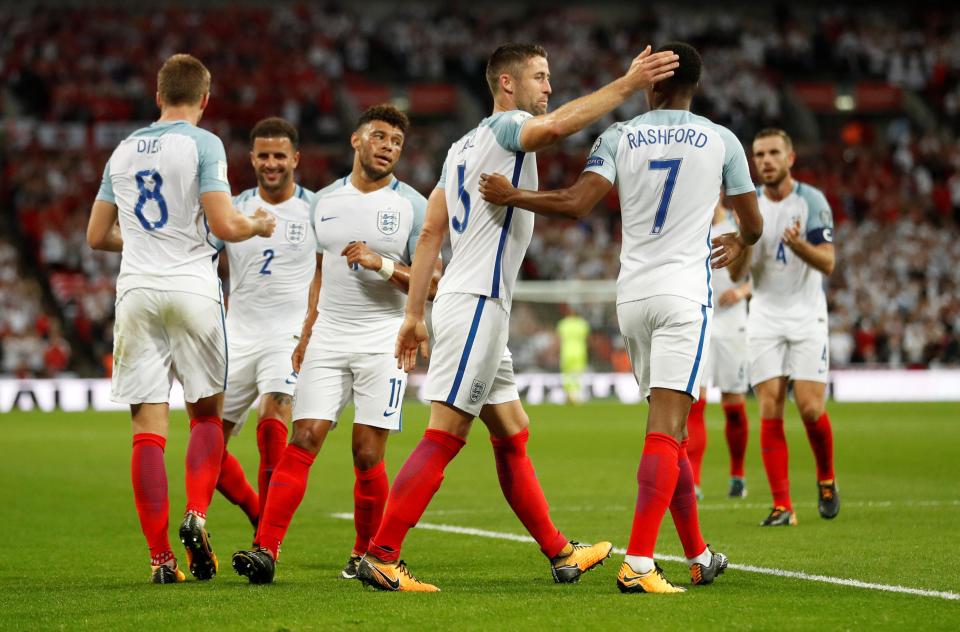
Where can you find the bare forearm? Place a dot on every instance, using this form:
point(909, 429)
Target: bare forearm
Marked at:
point(421, 283)
point(113, 242)
point(313, 299)
point(239, 227)
point(557, 203)
point(819, 258)
point(579, 113)
point(741, 265)
point(401, 280)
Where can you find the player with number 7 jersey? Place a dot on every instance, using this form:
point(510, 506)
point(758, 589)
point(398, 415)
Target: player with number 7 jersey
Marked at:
point(668, 166)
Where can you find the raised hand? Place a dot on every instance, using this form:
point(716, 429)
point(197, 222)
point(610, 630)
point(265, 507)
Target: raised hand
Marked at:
point(358, 253)
point(411, 337)
point(648, 68)
point(265, 222)
point(792, 236)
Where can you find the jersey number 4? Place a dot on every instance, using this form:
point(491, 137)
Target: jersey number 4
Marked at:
point(672, 167)
point(150, 194)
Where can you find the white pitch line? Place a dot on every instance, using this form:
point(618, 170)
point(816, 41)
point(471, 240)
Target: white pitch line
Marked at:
point(777, 572)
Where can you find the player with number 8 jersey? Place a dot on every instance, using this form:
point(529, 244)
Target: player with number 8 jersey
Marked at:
point(164, 192)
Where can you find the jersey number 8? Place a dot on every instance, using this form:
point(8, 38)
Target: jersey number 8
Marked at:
point(150, 194)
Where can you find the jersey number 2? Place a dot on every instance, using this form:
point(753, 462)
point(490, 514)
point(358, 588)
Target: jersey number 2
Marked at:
point(457, 224)
point(672, 167)
point(267, 258)
point(150, 194)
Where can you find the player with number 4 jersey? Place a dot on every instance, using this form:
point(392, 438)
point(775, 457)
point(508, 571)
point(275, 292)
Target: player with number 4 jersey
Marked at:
point(365, 226)
point(471, 371)
point(668, 166)
point(266, 277)
point(787, 329)
point(164, 192)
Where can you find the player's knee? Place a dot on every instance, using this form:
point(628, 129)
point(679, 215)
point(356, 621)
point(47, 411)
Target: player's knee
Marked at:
point(810, 412)
point(307, 437)
point(366, 457)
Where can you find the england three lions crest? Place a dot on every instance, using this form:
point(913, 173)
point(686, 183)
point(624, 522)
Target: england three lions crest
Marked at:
point(296, 232)
point(388, 221)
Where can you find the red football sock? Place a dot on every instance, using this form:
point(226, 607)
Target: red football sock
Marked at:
point(369, 498)
point(287, 487)
point(235, 488)
point(820, 435)
point(522, 490)
point(204, 454)
point(417, 481)
point(737, 432)
point(271, 440)
point(656, 481)
point(683, 508)
point(773, 446)
point(696, 437)
point(149, 475)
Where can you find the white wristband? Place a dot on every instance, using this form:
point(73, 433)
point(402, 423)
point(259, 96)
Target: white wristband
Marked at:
point(386, 269)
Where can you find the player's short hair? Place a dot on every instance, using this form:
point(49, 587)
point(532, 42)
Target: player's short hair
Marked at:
point(768, 132)
point(388, 114)
point(687, 74)
point(507, 59)
point(183, 80)
point(275, 127)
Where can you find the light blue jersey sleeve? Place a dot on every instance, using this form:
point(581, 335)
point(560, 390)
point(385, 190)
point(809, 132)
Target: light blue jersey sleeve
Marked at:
point(506, 127)
point(819, 216)
point(736, 170)
point(213, 163)
point(443, 176)
point(419, 204)
point(603, 156)
point(106, 187)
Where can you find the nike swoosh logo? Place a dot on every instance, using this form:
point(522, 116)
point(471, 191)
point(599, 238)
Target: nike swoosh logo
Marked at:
point(287, 381)
point(394, 584)
point(325, 219)
point(627, 579)
point(389, 414)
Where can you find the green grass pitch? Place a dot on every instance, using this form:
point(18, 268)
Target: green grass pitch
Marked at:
point(74, 557)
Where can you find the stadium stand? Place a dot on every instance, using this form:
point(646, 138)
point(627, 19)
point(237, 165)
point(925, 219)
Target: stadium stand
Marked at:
point(872, 97)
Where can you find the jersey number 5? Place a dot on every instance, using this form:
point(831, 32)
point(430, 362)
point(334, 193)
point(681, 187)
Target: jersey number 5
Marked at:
point(150, 194)
point(672, 167)
point(457, 224)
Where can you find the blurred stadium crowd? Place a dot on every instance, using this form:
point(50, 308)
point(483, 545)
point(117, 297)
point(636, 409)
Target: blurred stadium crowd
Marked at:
point(872, 97)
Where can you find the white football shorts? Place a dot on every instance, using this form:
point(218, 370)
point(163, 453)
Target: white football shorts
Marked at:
point(257, 368)
point(470, 365)
point(328, 378)
point(805, 356)
point(159, 335)
point(667, 339)
point(726, 364)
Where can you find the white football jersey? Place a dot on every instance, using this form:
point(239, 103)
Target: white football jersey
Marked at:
point(668, 166)
point(359, 311)
point(487, 242)
point(787, 293)
point(730, 321)
point(155, 178)
point(270, 276)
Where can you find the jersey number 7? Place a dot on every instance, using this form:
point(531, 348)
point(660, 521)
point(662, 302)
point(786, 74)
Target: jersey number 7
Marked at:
point(672, 167)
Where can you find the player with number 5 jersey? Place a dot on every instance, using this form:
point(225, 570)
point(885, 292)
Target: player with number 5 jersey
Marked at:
point(365, 227)
point(471, 371)
point(668, 166)
point(164, 192)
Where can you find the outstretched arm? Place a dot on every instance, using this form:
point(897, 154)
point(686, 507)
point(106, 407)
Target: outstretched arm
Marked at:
point(229, 224)
point(645, 70)
point(574, 202)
